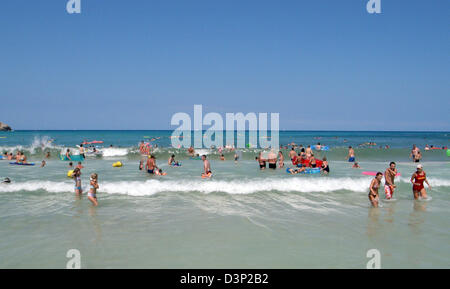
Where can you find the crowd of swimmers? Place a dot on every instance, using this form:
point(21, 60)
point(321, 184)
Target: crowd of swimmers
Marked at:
point(303, 160)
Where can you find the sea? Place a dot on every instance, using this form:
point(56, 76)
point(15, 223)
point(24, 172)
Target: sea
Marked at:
point(242, 217)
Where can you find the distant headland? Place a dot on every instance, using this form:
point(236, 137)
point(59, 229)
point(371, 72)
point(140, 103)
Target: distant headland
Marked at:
point(4, 127)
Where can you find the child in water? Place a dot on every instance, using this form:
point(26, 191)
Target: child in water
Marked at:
point(76, 175)
point(92, 195)
point(159, 172)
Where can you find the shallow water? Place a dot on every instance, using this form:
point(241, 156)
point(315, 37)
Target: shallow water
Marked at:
point(241, 218)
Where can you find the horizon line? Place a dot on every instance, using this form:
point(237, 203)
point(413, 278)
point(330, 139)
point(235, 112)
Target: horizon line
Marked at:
point(280, 130)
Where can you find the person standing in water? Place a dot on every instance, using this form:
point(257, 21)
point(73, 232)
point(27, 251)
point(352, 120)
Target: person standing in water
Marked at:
point(92, 195)
point(191, 151)
point(272, 159)
point(76, 175)
point(389, 178)
point(82, 151)
point(309, 152)
point(325, 167)
point(151, 164)
point(280, 159)
point(417, 157)
point(414, 151)
point(292, 154)
point(144, 155)
point(374, 186)
point(351, 154)
point(261, 161)
point(417, 179)
point(206, 167)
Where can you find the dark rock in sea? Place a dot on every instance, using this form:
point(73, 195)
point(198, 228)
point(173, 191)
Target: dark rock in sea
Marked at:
point(4, 127)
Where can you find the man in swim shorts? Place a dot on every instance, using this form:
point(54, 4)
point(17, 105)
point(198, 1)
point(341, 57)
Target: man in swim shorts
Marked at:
point(292, 153)
point(351, 154)
point(308, 152)
point(151, 164)
point(82, 151)
point(261, 161)
point(272, 159)
point(206, 167)
point(389, 177)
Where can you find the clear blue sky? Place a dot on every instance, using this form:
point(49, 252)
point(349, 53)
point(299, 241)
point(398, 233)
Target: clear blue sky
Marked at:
point(326, 65)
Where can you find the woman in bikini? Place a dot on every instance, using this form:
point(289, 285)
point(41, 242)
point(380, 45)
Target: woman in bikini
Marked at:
point(374, 186)
point(417, 179)
point(92, 195)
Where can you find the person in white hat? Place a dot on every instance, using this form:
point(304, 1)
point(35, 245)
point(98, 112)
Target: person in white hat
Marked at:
point(417, 179)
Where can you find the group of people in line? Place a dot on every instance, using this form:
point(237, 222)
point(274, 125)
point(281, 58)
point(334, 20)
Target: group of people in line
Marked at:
point(418, 178)
point(19, 157)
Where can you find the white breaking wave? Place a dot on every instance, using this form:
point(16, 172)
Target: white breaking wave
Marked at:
point(114, 152)
point(151, 187)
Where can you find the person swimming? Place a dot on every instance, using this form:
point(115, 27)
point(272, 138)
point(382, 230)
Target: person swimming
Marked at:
point(92, 195)
point(43, 164)
point(318, 146)
point(373, 189)
point(172, 162)
point(6, 181)
point(159, 172)
point(298, 170)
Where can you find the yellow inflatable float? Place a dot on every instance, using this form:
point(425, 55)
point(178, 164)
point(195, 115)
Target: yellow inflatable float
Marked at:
point(117, 164)
point(69, 173)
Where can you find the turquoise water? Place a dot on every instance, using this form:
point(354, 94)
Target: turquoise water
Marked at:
point(241, 218)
